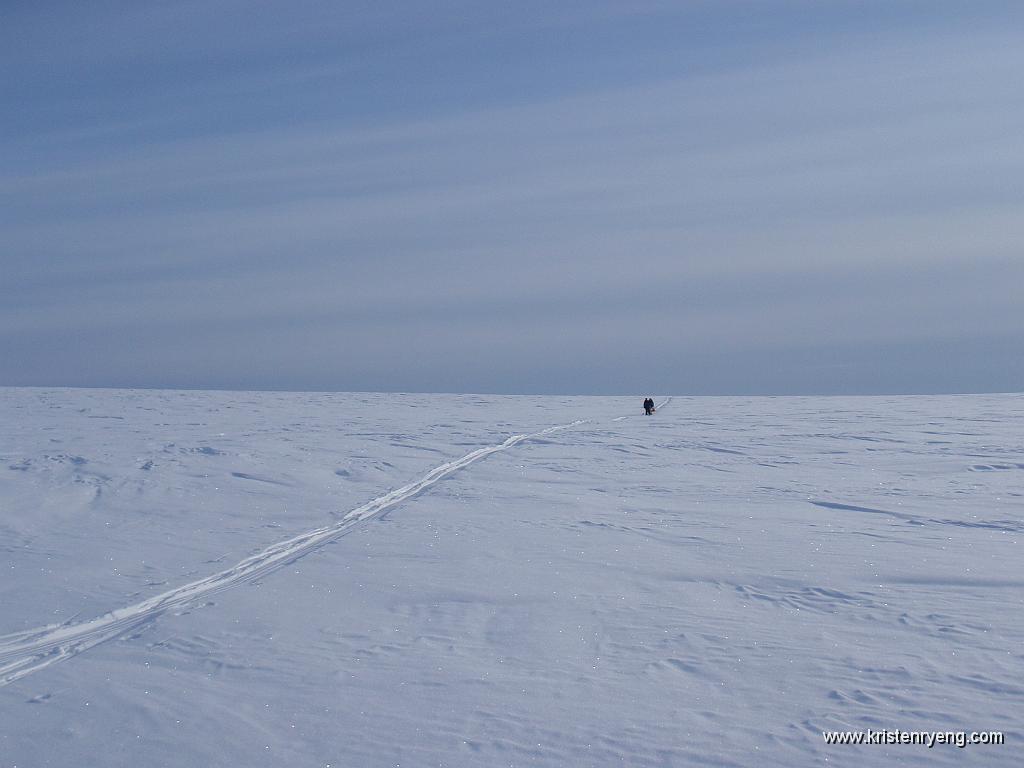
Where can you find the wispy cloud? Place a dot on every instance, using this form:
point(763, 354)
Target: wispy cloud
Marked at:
point(861, 197)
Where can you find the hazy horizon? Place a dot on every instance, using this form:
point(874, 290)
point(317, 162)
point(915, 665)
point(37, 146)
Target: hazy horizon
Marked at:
point(631, 395)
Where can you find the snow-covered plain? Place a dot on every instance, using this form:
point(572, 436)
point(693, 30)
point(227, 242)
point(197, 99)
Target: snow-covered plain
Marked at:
point(320, 579)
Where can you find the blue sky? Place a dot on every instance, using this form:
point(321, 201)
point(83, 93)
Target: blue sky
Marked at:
point(687, 197)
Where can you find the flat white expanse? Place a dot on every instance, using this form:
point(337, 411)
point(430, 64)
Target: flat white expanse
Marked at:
point(714, 585)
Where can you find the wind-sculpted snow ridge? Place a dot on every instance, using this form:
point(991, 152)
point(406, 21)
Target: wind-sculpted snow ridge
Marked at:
point(23, 653)
point(728, 577)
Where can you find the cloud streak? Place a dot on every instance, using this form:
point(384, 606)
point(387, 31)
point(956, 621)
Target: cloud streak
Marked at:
point(862, 199)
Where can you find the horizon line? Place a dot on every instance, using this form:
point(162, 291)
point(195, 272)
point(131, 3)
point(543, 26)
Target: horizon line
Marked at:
point(448, 393)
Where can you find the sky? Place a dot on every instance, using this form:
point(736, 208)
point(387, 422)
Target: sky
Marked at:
point(720, 197)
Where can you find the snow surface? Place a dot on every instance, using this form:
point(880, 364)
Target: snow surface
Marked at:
point(281, 579)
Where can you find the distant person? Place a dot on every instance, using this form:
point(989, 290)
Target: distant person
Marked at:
point(648, 406)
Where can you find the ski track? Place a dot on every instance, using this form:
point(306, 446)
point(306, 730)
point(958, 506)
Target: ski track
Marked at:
point(29, 651)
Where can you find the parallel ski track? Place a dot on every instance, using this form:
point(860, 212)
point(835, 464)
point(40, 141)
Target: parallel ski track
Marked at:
point(24, 653)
